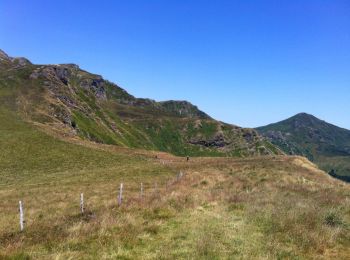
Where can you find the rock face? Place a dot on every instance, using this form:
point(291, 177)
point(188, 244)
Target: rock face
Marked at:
point(69, 99)
point(96, 85)
point(55, 76)
point(217, 141)
point(15, 62)
point(184, 109)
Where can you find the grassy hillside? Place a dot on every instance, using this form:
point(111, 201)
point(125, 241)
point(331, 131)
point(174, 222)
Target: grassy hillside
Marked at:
point(303, 134)
point(77, 103)
point(340, 165)
point(265, 207)
point(29, 154)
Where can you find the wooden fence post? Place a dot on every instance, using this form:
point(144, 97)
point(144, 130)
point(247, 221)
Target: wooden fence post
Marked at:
point(178, 176)
point(82, 203)
point(141, 191)
point(21, 216)
point(120, 197)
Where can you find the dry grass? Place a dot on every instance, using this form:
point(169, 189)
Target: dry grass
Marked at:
point(223, 208)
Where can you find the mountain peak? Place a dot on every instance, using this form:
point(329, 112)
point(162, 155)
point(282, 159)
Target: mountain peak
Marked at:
point(304, 115)
point(305, 134)
point(304, 120)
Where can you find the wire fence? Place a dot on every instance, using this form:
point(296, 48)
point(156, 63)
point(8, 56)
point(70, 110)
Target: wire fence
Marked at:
point(135, 193)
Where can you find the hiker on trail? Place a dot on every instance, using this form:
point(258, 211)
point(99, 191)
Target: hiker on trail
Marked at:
point(188, 158)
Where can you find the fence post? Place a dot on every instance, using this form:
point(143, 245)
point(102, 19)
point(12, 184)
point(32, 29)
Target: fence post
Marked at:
point(141, 191)
point(120, 197)
point(82, 203)
point(21, 216)
point(178, 176)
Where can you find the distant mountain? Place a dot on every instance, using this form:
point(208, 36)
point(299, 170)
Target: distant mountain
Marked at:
point(306, 135)
point(75, 103)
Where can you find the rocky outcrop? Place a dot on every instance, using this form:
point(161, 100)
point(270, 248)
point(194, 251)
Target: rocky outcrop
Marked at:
point(95, 85)
point(250, 135)
point(183, 109)
point(16, 62)
point(217, 142)
point(4, 56)
point(61, 73)
point(56, 75)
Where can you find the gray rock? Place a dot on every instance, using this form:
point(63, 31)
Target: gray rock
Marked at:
point(218, 141)
point(96, 85)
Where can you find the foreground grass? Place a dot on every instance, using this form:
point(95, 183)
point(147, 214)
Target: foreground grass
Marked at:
point(265, 207)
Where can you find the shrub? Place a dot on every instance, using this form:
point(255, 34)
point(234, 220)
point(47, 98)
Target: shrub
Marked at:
point(333, 219)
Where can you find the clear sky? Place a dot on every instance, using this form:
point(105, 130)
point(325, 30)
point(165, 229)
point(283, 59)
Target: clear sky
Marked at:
point(248, 63)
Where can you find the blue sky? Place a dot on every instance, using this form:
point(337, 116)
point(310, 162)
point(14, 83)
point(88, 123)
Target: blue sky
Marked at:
point(248, 63)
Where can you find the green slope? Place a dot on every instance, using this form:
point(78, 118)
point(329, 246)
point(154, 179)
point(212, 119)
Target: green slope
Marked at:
point(28, 154)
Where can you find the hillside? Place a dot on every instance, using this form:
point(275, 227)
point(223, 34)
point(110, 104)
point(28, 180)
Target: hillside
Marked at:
point(304, 134)
point(257, 207)
point(73, 102)
point(222, 208)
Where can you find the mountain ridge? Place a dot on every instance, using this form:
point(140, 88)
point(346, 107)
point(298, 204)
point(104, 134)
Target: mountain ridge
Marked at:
point(78, 103)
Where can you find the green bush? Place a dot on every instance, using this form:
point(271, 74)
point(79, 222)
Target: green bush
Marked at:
point(333, 219)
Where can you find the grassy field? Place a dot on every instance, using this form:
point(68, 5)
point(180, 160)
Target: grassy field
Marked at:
point(223, 208)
